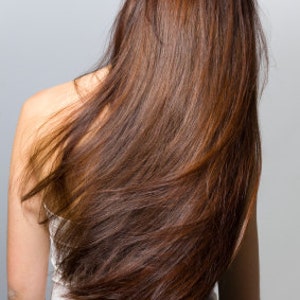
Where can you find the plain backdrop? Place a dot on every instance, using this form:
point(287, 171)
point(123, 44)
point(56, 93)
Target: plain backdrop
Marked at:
point(45, 43)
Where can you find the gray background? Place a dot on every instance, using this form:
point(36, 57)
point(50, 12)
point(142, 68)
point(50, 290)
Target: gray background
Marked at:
point(47, 43)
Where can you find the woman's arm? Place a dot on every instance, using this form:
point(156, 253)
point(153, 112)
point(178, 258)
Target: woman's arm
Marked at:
point(241, 280)
point(28, 242)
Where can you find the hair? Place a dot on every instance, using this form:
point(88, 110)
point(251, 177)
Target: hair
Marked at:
point(157, 195)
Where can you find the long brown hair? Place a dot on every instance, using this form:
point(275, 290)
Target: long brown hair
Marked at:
point(156, 196)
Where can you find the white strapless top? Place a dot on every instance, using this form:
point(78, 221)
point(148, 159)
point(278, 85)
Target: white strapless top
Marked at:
point(59, 287)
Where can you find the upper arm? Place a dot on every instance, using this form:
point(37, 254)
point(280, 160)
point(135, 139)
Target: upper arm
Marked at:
point(241, 280)
point(28, 241)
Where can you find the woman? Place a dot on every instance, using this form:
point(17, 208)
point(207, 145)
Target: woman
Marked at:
point(142, 175)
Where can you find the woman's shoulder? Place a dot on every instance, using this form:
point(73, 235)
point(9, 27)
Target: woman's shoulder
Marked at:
point(47, 102)
point(37, 110)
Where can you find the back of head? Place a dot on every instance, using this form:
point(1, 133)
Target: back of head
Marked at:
point(159, 194)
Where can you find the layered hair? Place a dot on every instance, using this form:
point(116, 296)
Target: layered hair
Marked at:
point(156, 196)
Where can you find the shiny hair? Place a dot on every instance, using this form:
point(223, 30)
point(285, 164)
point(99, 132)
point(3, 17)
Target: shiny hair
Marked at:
point(156, 196)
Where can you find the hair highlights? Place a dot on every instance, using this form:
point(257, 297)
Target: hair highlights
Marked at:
point(157, 194)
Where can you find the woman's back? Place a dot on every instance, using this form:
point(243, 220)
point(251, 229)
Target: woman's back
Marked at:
point(52, 104)
point(154, 168)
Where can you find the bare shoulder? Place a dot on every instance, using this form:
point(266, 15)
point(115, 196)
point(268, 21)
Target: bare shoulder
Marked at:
point(28, 242)
point(37, 110)
point(40, 106)
point(35, 119)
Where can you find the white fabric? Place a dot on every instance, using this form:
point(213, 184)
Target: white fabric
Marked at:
point(59, 288)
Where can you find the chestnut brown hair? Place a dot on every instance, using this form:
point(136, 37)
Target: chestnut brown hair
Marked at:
point(157, 195)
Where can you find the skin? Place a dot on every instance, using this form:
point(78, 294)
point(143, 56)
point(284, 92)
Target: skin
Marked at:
point(241, 280)
point(28, 243)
